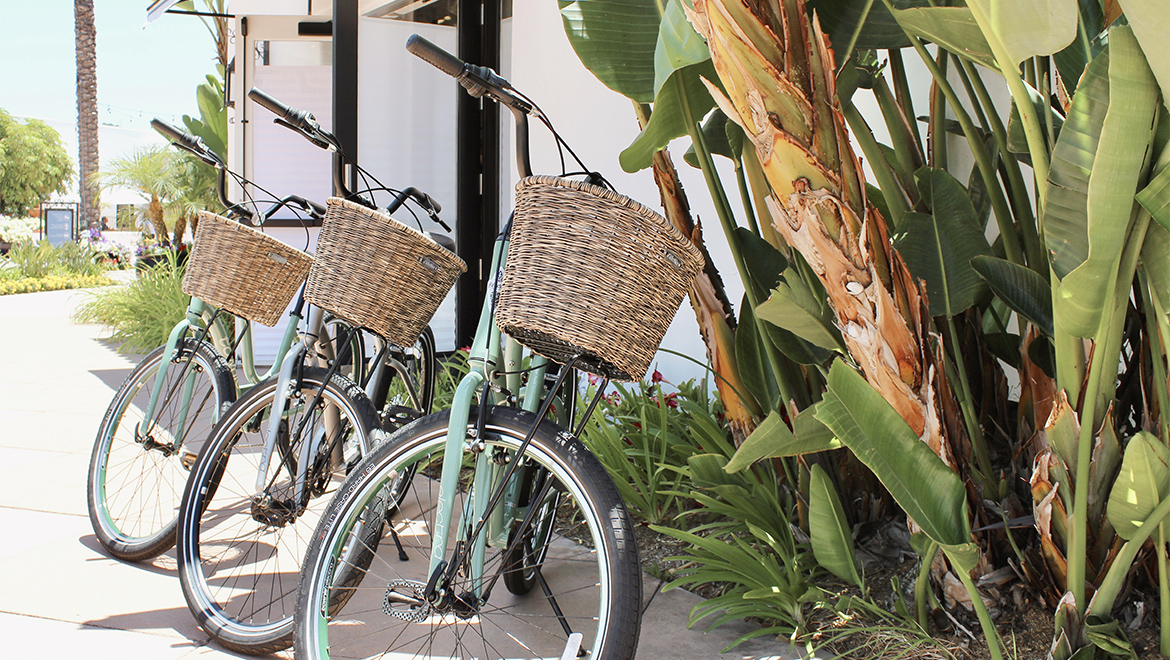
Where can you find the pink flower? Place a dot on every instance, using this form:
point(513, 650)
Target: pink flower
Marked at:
point(656, 377)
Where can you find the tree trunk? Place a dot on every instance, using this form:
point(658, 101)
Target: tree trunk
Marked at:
point(87, 113)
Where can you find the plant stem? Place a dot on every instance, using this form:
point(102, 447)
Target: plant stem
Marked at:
point(922, 587)
point(1003, 216)
point(968, 406)
point(1114, 579)
point(891, 188)
point(1163, 591)
point(902, 91)
point(745, 197)
point(1031, 123)
point(723, 210)
point(1155, 319)
point(994, 645)
point(938, 113)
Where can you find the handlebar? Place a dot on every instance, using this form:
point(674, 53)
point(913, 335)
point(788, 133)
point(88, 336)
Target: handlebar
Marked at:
point(480, 81)
point(300, 120)
point(314, 209)
point(194, 145)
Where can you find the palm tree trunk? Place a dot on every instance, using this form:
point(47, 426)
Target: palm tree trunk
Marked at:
point(87, 113)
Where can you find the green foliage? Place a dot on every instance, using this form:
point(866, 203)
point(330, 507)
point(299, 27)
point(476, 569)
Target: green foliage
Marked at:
point(38, 260)
point(143, 313)
point(33, 164)
point(643, 435)
point(212, 122)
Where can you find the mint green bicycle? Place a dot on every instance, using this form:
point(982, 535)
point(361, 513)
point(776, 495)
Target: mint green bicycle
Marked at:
point(513, 539)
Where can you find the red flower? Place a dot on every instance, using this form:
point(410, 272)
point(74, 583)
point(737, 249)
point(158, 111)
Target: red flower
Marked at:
point(656, 377)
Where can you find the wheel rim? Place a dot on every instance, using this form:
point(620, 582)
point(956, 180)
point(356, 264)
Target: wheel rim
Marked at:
point(364, 629)
point(139, 485)
point(242, 556)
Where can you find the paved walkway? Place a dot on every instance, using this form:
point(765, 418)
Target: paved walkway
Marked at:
point(61, 596)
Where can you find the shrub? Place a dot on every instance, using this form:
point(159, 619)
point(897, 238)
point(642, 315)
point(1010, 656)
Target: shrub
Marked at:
point(18, 230)
point(143, 313)
point(37, 260)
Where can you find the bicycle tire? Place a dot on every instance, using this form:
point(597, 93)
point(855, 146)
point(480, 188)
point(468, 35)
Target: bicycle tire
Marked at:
point(135, 484)
point(239, 556)
point(602, 571)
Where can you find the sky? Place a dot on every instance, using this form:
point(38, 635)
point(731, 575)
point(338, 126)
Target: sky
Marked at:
point(143, 72)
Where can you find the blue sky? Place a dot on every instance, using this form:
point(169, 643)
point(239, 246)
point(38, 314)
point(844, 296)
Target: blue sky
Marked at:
point(142, 72)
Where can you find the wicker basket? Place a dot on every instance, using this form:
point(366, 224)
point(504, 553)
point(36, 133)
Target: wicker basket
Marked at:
point(242, 270)
point(592, 274)
point(379, 274)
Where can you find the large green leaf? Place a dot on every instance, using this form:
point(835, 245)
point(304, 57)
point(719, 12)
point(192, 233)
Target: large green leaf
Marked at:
point(1028, 28)
point(1155, 198)
point(1120, 164)
point(839, 19)
point(926, 489)
point(832, 544)
point(616, 40)
point(793, 307)
point(772, 439)
point(765, 264)
point(938, 248)
point(1071, 61)
point(1021, 288)
point(1150, 20)
point(678, 47)
point(1017, 142)
point(752, 361)
point(1156, 261)
point(953, 28)
point(669, 119)
point(1142, 483)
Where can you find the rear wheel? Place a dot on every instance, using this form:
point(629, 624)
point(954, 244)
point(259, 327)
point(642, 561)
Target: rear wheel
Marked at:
point(137, 470)
point(241, 546)
point(578, 545)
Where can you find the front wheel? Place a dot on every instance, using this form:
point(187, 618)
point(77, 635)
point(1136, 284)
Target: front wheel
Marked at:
point(578, 547)
point(137, 470)
point(240, 546)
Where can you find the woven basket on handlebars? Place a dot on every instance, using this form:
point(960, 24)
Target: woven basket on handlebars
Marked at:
point(242, 270)
point(377, 273)
point(592, 274)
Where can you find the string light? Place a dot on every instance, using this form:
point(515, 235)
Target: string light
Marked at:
point(121, 116)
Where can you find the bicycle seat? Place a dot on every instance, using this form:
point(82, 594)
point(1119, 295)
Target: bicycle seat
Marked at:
point(444, 241)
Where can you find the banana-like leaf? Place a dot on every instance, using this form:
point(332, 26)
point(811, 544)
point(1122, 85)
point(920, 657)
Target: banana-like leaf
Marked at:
point(1142, 483)
point(1017, 142)
point(772, 439)
point(1063, 430)
point(765, 264)
point(832, 544)
point(1155, 198)
point(1021, 288)
point(927, 490)
point(669, 121)
point(953, 28)
point(1028, 28)
point(792, 307)
point(1071, 61)
point(1151, 23)
point(1065, 223)
point(753, 364)
point(616, 40)
point(939, 247)
point(1156, 261)
point(839, 19)
point(679, 46)
point(1119, 166)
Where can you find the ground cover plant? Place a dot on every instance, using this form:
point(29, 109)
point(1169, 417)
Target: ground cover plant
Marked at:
point(1005, 395)
point(30, 267)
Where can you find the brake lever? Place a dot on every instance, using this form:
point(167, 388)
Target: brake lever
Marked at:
point(316, 140)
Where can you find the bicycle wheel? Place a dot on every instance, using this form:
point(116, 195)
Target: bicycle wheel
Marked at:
point(406, 390)
point(136, 470)
point(580, 548)
point(240, 550)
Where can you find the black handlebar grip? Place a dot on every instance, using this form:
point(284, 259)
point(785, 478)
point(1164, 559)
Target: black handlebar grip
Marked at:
point(175, 135)
point(437, 57)
point(276, 107)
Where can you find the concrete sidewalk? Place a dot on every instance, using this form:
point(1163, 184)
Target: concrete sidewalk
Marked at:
point(61, 596)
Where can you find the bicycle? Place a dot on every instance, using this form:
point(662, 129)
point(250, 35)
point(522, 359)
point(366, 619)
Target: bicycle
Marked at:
point(515, 542)
point(272, 459)
point(147, 439)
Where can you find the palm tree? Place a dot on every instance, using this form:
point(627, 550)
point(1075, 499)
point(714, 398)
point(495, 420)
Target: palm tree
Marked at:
point(155, 173)
point(87, 114)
